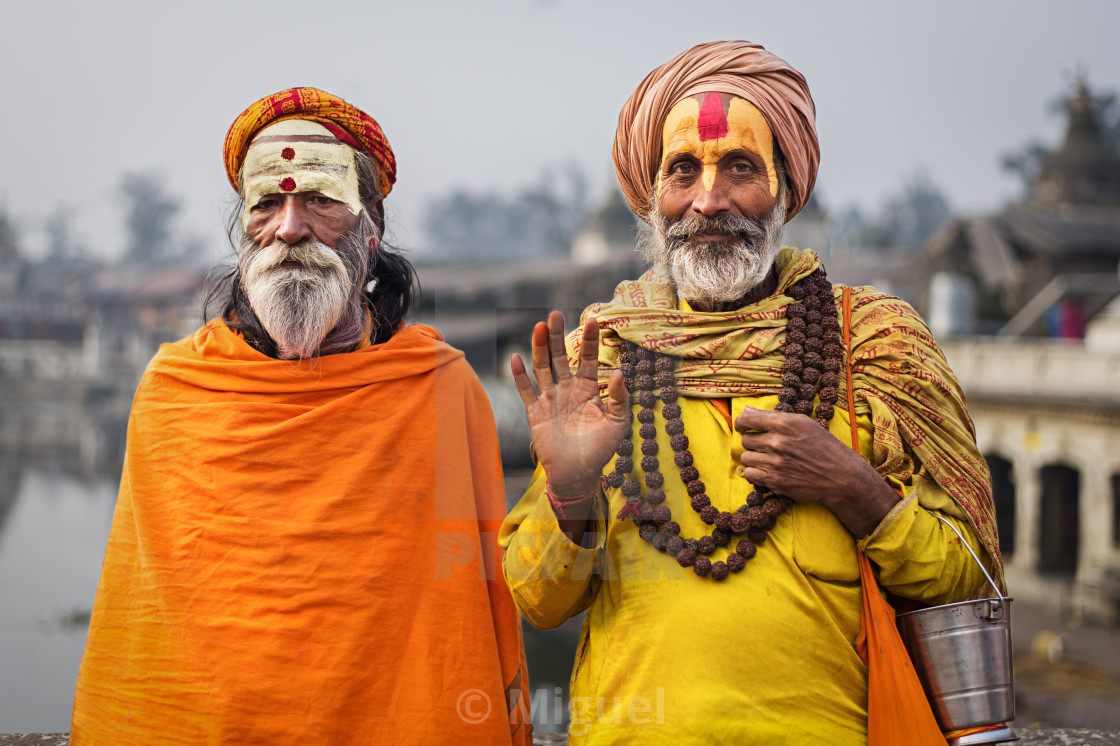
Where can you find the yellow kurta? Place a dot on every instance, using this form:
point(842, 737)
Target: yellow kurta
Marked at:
point(765, 656)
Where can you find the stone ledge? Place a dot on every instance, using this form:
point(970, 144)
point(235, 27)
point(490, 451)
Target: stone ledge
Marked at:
point(1066, 737)
point(1028, 737)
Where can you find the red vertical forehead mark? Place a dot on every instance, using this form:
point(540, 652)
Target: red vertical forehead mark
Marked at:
point(713, 122)
point(287, 154)
point(288, 184)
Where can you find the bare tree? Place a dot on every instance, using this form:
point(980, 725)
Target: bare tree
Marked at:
point(905, 220)
point(9, 239)
point(909, 219)
point(149, 214)
point(539, 220)
point(62, 244)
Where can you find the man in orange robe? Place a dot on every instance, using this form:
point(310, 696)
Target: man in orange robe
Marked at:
point(303, 549)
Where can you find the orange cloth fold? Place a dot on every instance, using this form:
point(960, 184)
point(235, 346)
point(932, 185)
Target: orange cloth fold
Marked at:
point(306, 554)
point(897, 709)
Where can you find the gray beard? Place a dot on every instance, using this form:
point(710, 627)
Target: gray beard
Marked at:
point(714, 275)
point(316, 308)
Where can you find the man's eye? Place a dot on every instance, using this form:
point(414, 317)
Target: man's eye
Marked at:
point(683, 168)
point(321, 200)
point(264, 204)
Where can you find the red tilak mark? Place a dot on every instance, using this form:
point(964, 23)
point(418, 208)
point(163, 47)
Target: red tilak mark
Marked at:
point(288, 184)
point(287, 154)
point(713, 123)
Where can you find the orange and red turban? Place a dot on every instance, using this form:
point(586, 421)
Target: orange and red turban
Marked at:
point(348, 123)
point(737, 67)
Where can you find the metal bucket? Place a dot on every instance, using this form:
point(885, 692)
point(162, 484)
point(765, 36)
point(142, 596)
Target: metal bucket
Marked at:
point(962, 654)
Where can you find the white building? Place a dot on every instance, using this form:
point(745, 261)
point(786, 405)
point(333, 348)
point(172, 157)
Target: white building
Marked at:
point(1043, 388)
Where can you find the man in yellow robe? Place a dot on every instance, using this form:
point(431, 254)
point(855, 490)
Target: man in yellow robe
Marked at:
point(697, 492)
point(296, 557)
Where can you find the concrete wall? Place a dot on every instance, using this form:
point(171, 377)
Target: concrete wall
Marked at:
point(1038, 404)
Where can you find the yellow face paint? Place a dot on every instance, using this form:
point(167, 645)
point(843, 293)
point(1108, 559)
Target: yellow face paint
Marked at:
point(298, 155)
point(707, 134)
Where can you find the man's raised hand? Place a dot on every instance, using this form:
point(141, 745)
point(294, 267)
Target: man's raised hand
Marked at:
point(574, 432)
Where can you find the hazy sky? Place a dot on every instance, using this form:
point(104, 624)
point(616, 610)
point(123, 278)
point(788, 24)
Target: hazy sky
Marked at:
point(487, 94)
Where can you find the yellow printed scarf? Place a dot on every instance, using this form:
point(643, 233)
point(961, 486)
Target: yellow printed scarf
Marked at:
point(899, 374)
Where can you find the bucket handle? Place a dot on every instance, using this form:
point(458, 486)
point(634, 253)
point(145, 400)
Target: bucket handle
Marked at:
point(988, 577)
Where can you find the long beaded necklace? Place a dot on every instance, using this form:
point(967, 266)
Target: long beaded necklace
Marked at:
point(813, 359)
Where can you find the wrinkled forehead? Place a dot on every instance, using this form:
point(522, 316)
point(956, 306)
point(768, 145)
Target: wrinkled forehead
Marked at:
point(709, 116)
point(299, 155)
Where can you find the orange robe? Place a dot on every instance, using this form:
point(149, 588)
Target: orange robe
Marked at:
point(305, 554)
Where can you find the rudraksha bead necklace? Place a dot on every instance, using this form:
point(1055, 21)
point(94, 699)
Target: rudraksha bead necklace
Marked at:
point(814, 355)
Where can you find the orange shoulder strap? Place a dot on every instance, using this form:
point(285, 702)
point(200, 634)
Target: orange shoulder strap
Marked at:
point(897, 708)
point(847, 307)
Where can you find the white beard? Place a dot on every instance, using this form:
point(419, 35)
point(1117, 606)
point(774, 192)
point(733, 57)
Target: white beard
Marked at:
point(714, 275)
point(298, 306)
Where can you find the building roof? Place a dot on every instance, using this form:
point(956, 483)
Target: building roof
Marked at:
point(1032, 255)
point(1000, 247)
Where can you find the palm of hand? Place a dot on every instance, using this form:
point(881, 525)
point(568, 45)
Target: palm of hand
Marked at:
point(574, 432)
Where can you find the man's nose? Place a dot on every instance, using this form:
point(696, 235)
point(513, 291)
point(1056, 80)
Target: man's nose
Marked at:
point(712, 201)
point(293, 226)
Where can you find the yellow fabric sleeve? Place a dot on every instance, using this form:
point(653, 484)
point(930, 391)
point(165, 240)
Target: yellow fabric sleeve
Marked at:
point(917, 555)
point(551, 578)
point(920, 558)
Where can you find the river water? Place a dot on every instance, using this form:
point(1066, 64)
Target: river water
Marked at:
point(59, 470)
point(51, 543)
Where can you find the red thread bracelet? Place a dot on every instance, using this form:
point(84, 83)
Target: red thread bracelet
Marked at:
point(561, 505)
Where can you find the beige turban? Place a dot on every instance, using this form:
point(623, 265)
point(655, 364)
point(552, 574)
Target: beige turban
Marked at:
point(737, 67)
